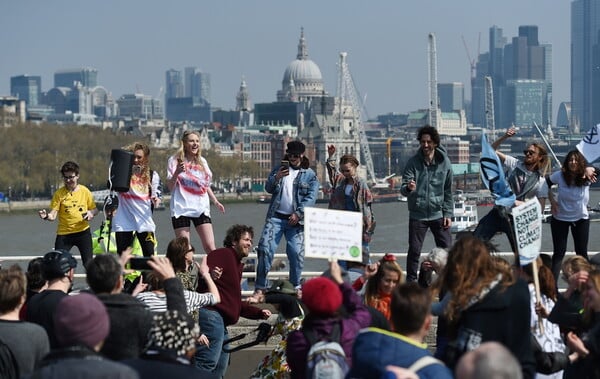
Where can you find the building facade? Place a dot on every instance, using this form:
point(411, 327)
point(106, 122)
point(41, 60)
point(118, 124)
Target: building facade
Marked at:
point(28, 88)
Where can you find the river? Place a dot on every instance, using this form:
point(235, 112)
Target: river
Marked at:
point(24, 233)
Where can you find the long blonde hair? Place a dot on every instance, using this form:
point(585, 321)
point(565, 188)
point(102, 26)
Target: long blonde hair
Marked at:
point(180, 154)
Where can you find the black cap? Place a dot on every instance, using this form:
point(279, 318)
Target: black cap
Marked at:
point(57, 264)
point(295, 147)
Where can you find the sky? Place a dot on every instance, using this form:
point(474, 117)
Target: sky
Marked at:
point(133, 42)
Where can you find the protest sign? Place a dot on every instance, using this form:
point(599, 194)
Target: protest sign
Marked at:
point(333, 234)
point(527, 219)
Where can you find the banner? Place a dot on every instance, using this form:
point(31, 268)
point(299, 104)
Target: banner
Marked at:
point(492, 175)
point(590, 144)
point(333, 234)
point(527, 220)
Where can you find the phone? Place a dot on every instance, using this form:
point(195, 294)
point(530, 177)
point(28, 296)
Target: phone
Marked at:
point(285, 164)
point(140, 263)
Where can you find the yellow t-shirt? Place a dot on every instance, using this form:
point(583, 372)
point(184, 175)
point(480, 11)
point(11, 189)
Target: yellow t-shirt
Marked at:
point(71, 207)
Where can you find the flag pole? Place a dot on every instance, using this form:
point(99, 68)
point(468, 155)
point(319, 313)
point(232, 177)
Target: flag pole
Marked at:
point(547, 144)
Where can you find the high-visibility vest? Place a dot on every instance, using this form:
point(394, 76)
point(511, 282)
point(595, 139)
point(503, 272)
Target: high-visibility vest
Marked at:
point(100, 241)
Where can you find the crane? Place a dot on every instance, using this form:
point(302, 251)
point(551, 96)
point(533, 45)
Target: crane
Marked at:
point(489, 106)
point(433, 95)
point(472, 62)
point(347, 92)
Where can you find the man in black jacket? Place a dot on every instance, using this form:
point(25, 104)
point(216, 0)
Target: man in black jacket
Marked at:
point(130, 320)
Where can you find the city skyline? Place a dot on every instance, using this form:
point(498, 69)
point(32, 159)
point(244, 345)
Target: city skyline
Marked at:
point(132, 44)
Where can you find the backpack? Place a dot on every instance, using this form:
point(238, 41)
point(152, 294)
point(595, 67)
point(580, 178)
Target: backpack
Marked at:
point(9, 368)
point(326, 358)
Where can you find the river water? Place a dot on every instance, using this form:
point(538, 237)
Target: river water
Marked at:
point(24, 233)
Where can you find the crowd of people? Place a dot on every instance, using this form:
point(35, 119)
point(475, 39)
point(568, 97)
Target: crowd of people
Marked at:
point(360, 319)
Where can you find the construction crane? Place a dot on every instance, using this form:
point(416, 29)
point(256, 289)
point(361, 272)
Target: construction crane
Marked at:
point(347, 92)
point(472, 62)
point(433, 94)
point(489, 106)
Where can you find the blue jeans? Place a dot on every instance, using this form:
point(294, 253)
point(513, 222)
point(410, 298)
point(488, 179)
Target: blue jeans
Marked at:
point(416, 235)
point(275, 228)
point(212, 358)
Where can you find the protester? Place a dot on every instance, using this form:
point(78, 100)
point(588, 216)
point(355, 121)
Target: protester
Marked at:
point(433, 263)
point(59, 270)
point(130, 320)
point(74, 207)
point(570, 210)
point(427, 183)
point(526, 180)
point(486, 304)
point(27, 341)
point(81, 323)
point(36, 282)
point(548, 346)
point(171, 349)
point(379, 287)
point(374, 349)
point(156, 300)
point(292, 187)
point(569, 304)
point(323, 298)
point(133, 218)
point(181, 254)
point(189, 179)
point(489, 360)
point(214, 320)
point(351, 193)
point(588, 345)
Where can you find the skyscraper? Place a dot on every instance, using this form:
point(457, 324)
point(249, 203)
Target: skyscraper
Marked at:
point(87, 76)
point(26, 87)
point(521, 71)
point(585, 63)
point(452, 96)
point(197, 84)
point(174, 84)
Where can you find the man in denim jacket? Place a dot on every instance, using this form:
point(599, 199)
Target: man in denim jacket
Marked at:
point(292, 188)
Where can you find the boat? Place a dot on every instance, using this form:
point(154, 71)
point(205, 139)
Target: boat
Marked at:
point(465, 216)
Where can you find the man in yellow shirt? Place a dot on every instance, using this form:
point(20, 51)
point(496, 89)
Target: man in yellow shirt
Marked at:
point(74, 206)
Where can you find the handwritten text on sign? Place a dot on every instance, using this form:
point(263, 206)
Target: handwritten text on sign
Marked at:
point(333, 234)
point(527, 220)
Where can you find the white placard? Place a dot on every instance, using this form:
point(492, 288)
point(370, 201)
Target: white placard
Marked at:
point(527, 219)
point(335, 234)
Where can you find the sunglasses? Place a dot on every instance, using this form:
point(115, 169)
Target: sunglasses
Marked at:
point(293, 155)
point(69, 177)
point(529, 152)
point(191, 250)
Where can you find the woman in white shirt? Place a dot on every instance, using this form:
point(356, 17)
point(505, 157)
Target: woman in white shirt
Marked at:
point(189, 179)
point(569, 211)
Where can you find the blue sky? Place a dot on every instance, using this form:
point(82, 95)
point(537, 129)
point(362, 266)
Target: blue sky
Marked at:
point(133, 42)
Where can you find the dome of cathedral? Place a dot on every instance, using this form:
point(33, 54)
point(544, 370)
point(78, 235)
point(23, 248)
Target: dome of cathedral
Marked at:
point(301, 70)
point(302, 78)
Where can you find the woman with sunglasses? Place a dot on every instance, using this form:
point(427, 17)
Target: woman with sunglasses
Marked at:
point(189, 179)
point(351, 193)
point(133, 218)
point(74, 207)
point(569, 211)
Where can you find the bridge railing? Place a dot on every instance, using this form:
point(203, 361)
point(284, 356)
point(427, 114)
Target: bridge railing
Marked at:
point(251, 275)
